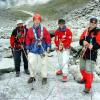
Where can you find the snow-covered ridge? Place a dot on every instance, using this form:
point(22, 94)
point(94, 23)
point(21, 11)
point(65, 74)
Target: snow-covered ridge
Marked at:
point(10, 3)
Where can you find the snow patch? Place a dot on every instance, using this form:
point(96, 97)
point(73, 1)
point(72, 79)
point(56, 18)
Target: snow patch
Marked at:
point(96, 96)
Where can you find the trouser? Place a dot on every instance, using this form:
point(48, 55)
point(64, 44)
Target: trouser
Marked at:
point(17, 59)
point(63, 61)
point(34, 60)
point(86, 69)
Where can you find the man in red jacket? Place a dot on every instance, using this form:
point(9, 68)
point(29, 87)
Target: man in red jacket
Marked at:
point(17, 42)
point(90, 40)
point(38, 43)
point(63, 39)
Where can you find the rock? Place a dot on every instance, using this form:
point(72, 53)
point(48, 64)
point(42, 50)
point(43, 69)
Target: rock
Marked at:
point(96, 77)
point(75, 71)
point(6, 70)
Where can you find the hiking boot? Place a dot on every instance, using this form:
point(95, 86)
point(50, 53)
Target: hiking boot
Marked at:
point(17, 74)
point(31, 79)
point(59, 72)
point(86, 90)
point(64, 79)
point(44, 81)
point(27, 72)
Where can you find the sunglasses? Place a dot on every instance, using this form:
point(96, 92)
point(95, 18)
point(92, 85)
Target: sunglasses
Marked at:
point(94, 22)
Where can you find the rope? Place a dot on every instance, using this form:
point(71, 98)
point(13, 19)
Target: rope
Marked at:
point(91, 72)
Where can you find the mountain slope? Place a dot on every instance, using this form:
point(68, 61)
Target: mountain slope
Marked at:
point(54, 9)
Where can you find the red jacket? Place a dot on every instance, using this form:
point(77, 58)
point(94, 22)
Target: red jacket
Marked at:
point(18, 38)
point(93, 35)
point(30, 40)
point(64, 37)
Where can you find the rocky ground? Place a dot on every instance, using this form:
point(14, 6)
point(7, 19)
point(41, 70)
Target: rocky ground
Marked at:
point(12, 88)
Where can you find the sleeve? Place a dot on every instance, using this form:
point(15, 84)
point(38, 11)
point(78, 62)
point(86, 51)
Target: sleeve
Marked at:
point(69, 37)
point(56, 39)
point(82, 38)
point(12, 39)
point(28, 39)
point(96, 45)
point(47, 37)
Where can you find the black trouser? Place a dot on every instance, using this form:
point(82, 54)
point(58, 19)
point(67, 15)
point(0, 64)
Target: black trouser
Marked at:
point(17, 59)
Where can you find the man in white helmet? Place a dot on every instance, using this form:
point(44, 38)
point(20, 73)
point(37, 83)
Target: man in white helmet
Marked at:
point(17, 42)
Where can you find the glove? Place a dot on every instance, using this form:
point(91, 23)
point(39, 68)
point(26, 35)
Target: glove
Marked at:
point(48, 50)
point(85, 43)
point(18, 35)
point(90, 46)
point(27, 51)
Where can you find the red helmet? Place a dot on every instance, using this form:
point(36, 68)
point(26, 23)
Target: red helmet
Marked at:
point(37, 16)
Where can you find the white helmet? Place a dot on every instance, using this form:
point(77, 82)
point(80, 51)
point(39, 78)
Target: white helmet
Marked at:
point(19, 22)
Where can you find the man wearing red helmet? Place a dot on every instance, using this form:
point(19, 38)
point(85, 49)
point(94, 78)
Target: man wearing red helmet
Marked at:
point(38, 43)
point(37, 17)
